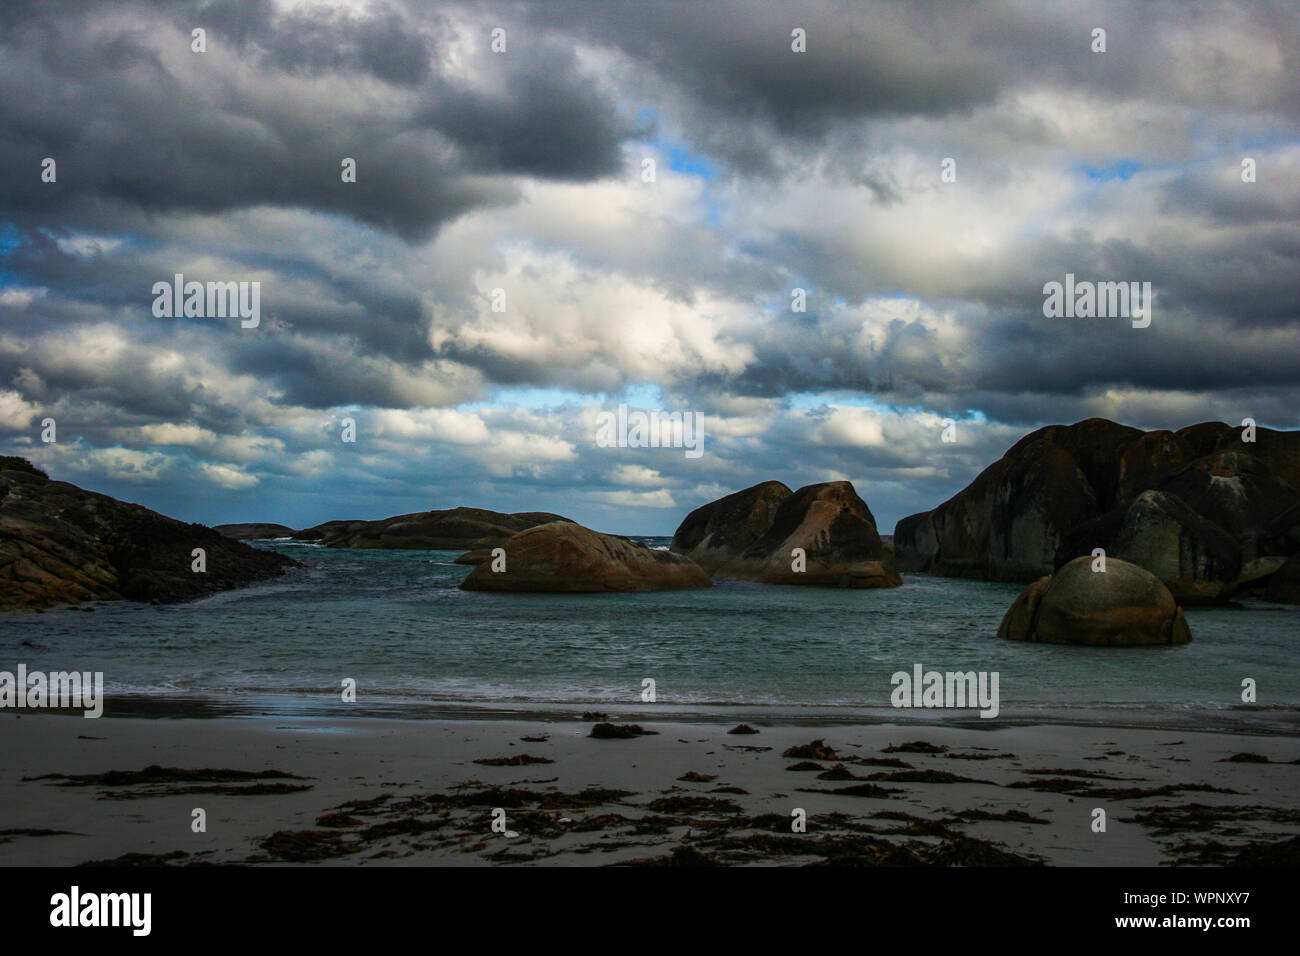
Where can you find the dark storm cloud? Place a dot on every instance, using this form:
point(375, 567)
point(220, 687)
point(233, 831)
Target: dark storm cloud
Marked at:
point(319, 376)
point(744, 92)
point(737, 56)
point(549, 122)
point(380, 44)
point(89, 87)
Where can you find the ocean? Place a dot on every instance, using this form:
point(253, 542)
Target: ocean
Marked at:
point(416, 645)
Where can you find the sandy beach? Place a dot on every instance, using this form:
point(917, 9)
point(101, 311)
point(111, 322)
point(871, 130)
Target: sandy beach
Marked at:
point(424, 792)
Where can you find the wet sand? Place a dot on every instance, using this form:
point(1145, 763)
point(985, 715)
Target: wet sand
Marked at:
point(417, 792)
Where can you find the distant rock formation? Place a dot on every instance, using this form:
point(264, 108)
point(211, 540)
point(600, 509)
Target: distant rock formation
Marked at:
point(254, 531)
point(455, 529)
point(1125, 605)
point(563, 556)
point(1202, 509)
point(317, 532)
point(60, 544)
point(752, 535)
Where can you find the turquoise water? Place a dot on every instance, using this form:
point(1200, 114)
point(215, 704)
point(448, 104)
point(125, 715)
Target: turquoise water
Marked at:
point(396, 622)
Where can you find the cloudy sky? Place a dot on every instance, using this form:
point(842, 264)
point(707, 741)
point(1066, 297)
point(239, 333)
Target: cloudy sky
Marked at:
point(526, 171)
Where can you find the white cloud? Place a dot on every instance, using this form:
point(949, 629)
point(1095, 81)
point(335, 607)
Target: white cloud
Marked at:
point(227, 476)
point(16, 413)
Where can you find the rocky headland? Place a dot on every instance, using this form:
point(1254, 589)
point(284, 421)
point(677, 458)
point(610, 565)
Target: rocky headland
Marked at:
point(60, 544)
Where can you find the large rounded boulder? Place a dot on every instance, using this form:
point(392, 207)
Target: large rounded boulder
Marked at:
point(566, 557)
point(723, 530)
point(1124, 605)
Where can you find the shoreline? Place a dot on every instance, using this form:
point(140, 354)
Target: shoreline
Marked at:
point(1248, 720)
point(364, 791)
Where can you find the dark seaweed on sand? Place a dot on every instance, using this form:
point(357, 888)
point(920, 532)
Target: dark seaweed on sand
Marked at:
point(619, 732)
point(857, 790)
point(923, 776)
point(915, 747)
point(817, 750)
point(156, 774)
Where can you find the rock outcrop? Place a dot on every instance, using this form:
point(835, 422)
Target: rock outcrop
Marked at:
point(721, 531)
point(830, 523)
point(1008, 523)
point(1201, 508)
point(1125, 605)
point(566, 557)
point(455, 529)
point(317, 532)
point(60, 544)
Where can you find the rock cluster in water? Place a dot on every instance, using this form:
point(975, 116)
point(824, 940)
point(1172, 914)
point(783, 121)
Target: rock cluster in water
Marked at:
point(1207, 512)
point(821, 535)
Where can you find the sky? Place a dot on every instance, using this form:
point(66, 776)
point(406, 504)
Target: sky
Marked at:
point(647, 184)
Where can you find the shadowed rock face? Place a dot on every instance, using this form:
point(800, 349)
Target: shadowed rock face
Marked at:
point(566, 557)
point(455, 529)
point(1196, 559)
point(1008, 523)
point(61, 544)
point(1123, 606)
point(833, 526)
point(1284, 585)
point(1201, 508)
point(723, 530)
point(1149, 459)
